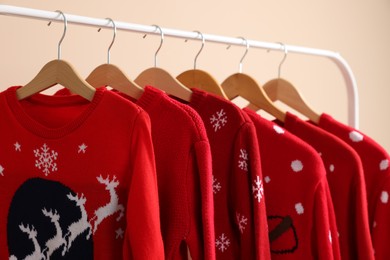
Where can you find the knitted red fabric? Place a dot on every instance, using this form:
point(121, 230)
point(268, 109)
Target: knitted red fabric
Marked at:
point(183, 164)
point(347, 186)
point(375, 162)
point(78, 179)
point(296, 191)
point(183, 161)
point(240, 219)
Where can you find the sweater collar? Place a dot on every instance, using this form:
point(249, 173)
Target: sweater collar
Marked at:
point(39, 129)
point(151, 99)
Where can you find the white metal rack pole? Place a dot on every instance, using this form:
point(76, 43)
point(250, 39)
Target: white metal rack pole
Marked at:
point(353, 100)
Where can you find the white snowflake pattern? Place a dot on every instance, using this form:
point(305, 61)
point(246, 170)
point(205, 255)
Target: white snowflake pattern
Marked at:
point(216, 185)
point(384, 197)
point(82, 148)
point(18, 147)
point(242, 221)
point(46, 159)
point(222, 243)
point(299, 208)
point(243, 163)
point(119, 233)
point(384, 164)
point(218, 120)
point(356, 136)
point(257, 189)
point(296, 165)
point(1, 170)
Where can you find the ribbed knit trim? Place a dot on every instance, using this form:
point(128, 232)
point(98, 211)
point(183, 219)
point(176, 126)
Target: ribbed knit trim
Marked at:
point(325, 120)
point(196, 120)
point(198, 98)
point(290, 121)
point(41, 130)
point(150, 99)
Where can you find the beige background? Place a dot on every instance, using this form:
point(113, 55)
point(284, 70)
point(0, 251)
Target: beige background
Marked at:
point(359, 30)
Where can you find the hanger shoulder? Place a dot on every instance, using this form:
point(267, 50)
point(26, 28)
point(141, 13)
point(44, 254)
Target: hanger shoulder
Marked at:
point(43, 80)
point(113, 76)
point(69, 77)
point(163, 80)
point(240, 84)
point(202, 80)
point(283, 90)
point(57, 72)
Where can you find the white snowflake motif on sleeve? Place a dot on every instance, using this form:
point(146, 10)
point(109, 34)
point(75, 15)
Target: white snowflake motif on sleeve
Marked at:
point(82, 148)
point(242, 221)
point(18, 147)
point(119, 233)
point(216, 185)
point(218, 120)
point(1, 170)
point(258, 189)
point(243, 161)
point(299, 208)
point(222, 243)
point(46, 159)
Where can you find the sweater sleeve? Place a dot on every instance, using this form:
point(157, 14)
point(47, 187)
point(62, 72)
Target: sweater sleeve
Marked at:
point(381, 226)
point(321, 232)
point(249, 205)
point(202, 236)
point(361, 233)
point(143, 238)
point(333, 232)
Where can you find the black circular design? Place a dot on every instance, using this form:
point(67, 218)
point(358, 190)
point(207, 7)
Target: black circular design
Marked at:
point(32, 220)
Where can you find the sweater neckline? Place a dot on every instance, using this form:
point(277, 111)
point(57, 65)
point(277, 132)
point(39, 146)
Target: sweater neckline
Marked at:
point(39, 129)
point(198, 98)
point(151, 98)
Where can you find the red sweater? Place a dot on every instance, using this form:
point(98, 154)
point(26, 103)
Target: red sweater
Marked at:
point(78, 179)
point(347, 186)
point(240, 219)
point(183, 161)
point(377, 176)
point(184, 185)
point(297, 198)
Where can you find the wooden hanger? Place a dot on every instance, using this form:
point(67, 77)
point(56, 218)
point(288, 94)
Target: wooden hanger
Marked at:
point(57, 72)
point(200, 79)
point(110, 75)
point(282, 90)
point(159, 78)
point(245, 86)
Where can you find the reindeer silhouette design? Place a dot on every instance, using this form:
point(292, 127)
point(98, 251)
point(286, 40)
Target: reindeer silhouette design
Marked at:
point(57, 240)
point(110, 208)
point(32, 235)
point(77, 228)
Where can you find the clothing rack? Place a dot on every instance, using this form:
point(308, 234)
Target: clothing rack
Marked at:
point(352, 92)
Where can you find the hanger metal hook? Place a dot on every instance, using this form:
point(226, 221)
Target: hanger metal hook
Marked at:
point(201, 48)
point(63, 34)
point(245, 53)
point(113, 39)
point(284, 58)
point(161, 43)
